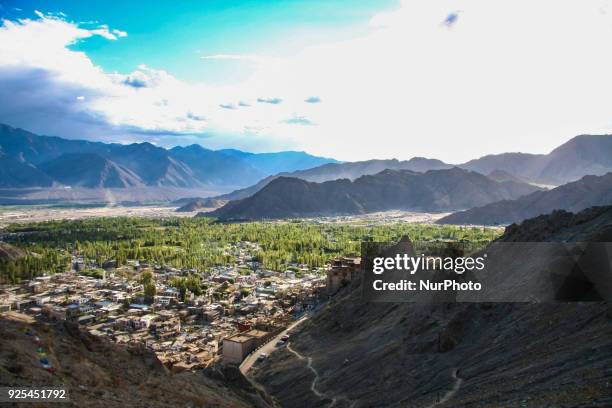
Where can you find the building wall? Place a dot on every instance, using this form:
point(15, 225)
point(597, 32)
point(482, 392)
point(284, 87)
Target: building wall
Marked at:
point(342, 269)
point(234, 352)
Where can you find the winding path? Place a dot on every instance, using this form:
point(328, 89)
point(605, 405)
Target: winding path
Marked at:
point(452, 391)
point(313, 385)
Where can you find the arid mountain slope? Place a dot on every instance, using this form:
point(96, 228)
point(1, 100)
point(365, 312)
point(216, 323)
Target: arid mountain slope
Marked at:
point(452, 355)
point(89, 170)
point(576, 196)
point(434, 190)
point(101, 374)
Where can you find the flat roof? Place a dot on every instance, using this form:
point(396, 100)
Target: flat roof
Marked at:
point(239, 338)
point(256, 333)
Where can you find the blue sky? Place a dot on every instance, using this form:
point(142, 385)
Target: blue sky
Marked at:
point(350, 79)
point(171, 35)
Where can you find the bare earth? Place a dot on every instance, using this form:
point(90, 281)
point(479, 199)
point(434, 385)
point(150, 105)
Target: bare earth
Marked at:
point(22, 214)
point(384, 217)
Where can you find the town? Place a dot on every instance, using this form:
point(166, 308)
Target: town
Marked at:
point(234, 310)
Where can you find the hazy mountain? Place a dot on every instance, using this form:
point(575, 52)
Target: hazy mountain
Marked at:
point(586, 192)
point(15, 173)
point(351, 171)
point(216, 167)
point(501, 176)
point(136, 164)
point(278, 162)
point(382, 354)
point(434, 190)
point(154, 165)
point(89, 170)
point(35, 149)
point(582, 155)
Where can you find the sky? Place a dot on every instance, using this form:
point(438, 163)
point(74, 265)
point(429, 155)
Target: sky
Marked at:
point(353, 80)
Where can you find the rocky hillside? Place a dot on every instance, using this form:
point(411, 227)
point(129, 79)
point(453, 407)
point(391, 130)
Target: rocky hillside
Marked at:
point(586, 192)
point(435, 190)
point(102, 374)
point(358, 354)
point(10, 253)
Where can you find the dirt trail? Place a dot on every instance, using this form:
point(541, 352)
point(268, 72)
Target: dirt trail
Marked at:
point(452, 391)
point(313, 385)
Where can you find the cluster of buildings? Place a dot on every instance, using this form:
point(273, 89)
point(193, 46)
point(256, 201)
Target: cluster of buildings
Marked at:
point(236, 312)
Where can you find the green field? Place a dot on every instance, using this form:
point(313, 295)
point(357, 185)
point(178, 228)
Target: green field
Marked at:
point(201, 243)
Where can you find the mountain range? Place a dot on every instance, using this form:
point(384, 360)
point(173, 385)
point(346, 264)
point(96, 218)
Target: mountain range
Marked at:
point(433, 190)
point(582, 155)
point(350, 171)
point(38, 168)
point(30, 160)
point(587, 192)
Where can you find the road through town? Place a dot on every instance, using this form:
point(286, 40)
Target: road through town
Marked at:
point(269, 347)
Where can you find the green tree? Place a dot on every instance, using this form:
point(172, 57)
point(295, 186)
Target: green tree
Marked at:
point(149, 292)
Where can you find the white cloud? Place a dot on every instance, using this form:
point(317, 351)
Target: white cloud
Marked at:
point(507, 76)
point(119, 33)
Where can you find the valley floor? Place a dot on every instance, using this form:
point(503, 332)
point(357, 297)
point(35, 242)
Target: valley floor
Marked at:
point(21, 214)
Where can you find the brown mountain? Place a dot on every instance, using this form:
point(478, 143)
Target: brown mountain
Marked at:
point(586, 192)
point(435, 190)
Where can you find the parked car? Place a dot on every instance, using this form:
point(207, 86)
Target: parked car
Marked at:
point(280, 343)
point(262, 356)
point(285, 337)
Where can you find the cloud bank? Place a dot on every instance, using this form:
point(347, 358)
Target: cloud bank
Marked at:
point(501, 76)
